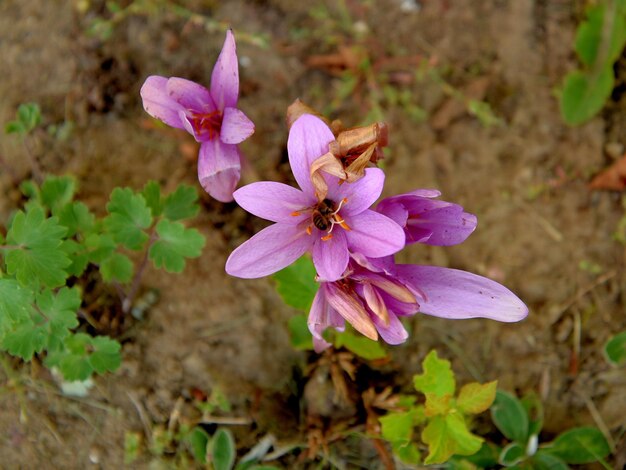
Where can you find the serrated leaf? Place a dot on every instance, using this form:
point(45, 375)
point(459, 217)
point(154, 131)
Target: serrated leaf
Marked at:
point(100, 246)
point(542, 460)
point(509, 416)
point(106, 355)
point(38, 257)
point(29, 114)
point(152, 194)
point(580, 445)
point(181, 204)
point(475, 398)
point(448, 435)
point(77, 218)
point(198, 440)
point(584, 94)
point(437, 405)
point(296, 284)
point(223, 450)
point(57, 191)
point(59, 311)
point(78, 255)
point(25, 340)
point(360, 345)
point(512, 454)
point(299, 334)
point(117, 267)
point(397, 427)
point(16, 304)
point(437, 379)
point(615, 349)
point(175, 243)
point(128, 217)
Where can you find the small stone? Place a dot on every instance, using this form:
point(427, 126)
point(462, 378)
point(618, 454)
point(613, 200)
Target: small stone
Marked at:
point(614, 149)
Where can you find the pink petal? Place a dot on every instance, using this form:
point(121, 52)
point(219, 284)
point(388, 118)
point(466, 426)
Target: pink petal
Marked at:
point(308, 140)
point(274, 201)
point(361, 194)
point(394, 210)
point(219, 169)
point(270, 250)
point(322, 316)
point(440, 223)
point(331, 256)
point(451, 293)
point(190, 95)
point(225, 76)
point(158, 103)
point(374, 235)
point(394, 333)
point(236, 127)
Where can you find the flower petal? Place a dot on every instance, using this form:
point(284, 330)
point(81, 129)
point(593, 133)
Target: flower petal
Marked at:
point(236, 127)
point(273, 201)
point(361, 194)
point(447, 223)
point(394, 210)
point(331, 256)
point(374, 234)
point(158, 103)
point(350, 308)
point(451, 293)
point(308, 140)
point(270, 250)
point(225, 76)
point(191, 95)
point(394, 333)
point(219, 169)
point(322, 316)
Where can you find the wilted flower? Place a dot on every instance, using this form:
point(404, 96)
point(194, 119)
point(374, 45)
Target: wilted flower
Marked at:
point(374, 293)
point(331, 228)
point(211, 116)
point(427, 220)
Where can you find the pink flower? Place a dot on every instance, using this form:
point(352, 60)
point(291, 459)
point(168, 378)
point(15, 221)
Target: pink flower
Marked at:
point(331, 229)
point(211, 116)
point(374, 293)
point(427, 220)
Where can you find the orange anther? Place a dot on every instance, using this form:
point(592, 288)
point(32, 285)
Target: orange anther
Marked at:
point(309, 230)
point(327, 237)
point(295, 214)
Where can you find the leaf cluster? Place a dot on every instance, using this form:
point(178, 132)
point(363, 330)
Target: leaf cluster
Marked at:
point(51, 242)
point(297, 287)
point(520, 421)
point(599, 42)
point(27, 119)
point(444, 416)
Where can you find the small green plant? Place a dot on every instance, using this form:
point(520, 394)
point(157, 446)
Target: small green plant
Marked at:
point(444, 418)
point(615, 349)
point(599, 42)
point(297, 287)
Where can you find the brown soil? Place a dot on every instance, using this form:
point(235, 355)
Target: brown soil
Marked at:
point(525, 180)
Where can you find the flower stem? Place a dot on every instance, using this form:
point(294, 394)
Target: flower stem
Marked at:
point(34, 164)
point(134, 288)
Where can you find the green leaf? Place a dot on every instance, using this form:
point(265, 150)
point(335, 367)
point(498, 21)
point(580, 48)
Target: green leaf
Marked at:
point(100, 246)
point(580, 445)
point(106, 355)
point(181, 204)
point(29, 114)
point(584, 94)
point(534, 410)
point(448, 435)
point(59, 311)
point(615, 349)
point(57, 191)
point(437, 378)
point(509, 416)
point(117, 267)
point(438, 405)
point(152, 194)
point(25, 340)
point(512, 454)
point(39, 257)
point(132, 445)
point(16, 304)
point(175, 243)
point(77, 218)
point(128, 217)
point(77, 253)
point(407, 453)
point(542, 460)
point(589, 36)
point(198, 440)
point(296, 284)
point(398, 427)
point(475, 398)
point(223, 450)
point(14, 127)
point(360, 345)
point(300, 336)
point(486, 457)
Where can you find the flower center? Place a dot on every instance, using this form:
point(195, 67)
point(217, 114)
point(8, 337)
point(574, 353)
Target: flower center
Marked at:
point(325, 216)
point(206, 124)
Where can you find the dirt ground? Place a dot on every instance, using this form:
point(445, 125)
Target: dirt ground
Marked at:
point(525, 178)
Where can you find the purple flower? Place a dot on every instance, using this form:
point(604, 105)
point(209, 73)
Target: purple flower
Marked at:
point(331, 228)
point(373, 294)
point(211, 116)
point(427, 220)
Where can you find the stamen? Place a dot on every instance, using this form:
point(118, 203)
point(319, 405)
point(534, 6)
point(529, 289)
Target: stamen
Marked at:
point(341, 203)
point(328, 236)
point(344, 225)
point(295, 214)
point(309, 230)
